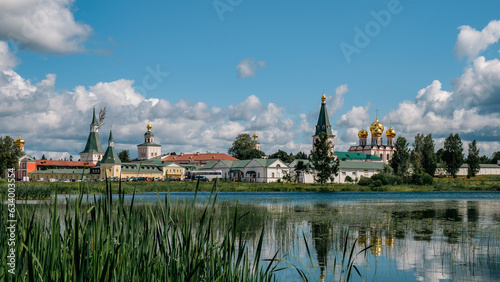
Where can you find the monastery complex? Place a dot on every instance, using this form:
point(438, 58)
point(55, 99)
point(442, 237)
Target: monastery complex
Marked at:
point(365, 159)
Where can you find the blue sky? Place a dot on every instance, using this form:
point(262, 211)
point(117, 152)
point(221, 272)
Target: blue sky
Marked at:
point(251, 65)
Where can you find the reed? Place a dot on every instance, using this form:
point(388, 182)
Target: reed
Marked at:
point(100, 239)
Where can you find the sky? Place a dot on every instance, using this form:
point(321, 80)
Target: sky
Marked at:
point(204, 71)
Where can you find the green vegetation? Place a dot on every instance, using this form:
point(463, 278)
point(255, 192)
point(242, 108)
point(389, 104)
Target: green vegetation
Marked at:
point(9, 154)
point(243, 148)
point(453, 155)
point(400, 162)
point(124, 156)
point(473, 159)
point(325, 165)
point(102, 240)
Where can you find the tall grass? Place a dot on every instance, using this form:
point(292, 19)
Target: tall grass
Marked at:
point(102, 240)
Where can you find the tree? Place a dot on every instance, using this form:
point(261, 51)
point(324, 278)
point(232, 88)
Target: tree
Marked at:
point(282, 155)
point(243, 148)
point(423, 147)
point(301, 156)
point(400, 161)
point(486, 160)
point(473, 159)
point(71, 158)
point(9, 154)
point(43, 157)
point(453, 155)
point(325, 165)
point(300, 169)
point(496, 157)
point(429, 158)
point(124, 156)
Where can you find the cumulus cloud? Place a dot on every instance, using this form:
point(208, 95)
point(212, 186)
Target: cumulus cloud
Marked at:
point(337, 101)
point(355, 117)
point(56, 122)
point(42, 26)
point(470, 107)
point(248, 67)
point(471, 42)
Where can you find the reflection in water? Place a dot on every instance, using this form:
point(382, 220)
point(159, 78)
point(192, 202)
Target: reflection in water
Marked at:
point(427, 240)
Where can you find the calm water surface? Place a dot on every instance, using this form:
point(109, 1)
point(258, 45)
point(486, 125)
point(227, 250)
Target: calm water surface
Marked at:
point(421, 236)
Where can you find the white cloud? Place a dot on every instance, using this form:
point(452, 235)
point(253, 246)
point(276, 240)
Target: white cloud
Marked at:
point(479, 85)
point(471, 42)
point(435, 98)
point(248, 67)
point(56, 122)
point(355, 117)
point(42, 26)
point(337, 101)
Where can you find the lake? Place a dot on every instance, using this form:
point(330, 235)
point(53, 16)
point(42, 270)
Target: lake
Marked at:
point(420, 236)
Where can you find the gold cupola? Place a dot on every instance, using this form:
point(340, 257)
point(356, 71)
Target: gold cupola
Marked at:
point(255, 135)
point(323, 98)
point(377, 128)
point(363, 133)
point(19, 141)
point(149, 126)
point(390, 132)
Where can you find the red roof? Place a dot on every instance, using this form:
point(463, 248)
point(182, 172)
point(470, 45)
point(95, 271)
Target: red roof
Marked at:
point(198, 157)
point(64, 163)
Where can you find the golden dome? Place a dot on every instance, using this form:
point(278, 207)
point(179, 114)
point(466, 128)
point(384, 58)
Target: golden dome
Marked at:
point(323, 98)
point(390, 132)
point(363, 133)
point(255, 136)
point(149, 126)
point(377, 128)
point(19, 141)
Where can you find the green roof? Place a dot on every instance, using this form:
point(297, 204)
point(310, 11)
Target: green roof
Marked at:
point(235, 164)
point(323, 121)
point(94, 119)
point(134, 167)
point(209, 165)
point(361, 165)
point(149, 144)
point(110, 157)
point(266, 162)
point(28, 159)
point(149, 133)
point(93, 144)
point(355, 156)
point(62, 171)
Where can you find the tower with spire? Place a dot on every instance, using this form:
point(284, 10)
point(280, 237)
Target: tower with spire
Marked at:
point(93, 151)
point(149, 149)
point(323, 125)
point(110, 163)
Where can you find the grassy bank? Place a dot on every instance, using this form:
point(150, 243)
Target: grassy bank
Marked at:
point(41, 190)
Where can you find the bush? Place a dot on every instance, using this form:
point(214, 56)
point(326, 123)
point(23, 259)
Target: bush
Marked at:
point(365, 181)
point(427, 179)
point(348, 179)
point(380, 177)
point(377, 183)
point(422, 179)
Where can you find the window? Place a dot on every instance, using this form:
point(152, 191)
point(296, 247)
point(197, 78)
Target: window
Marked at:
point(272, 175)
point(258, 174)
